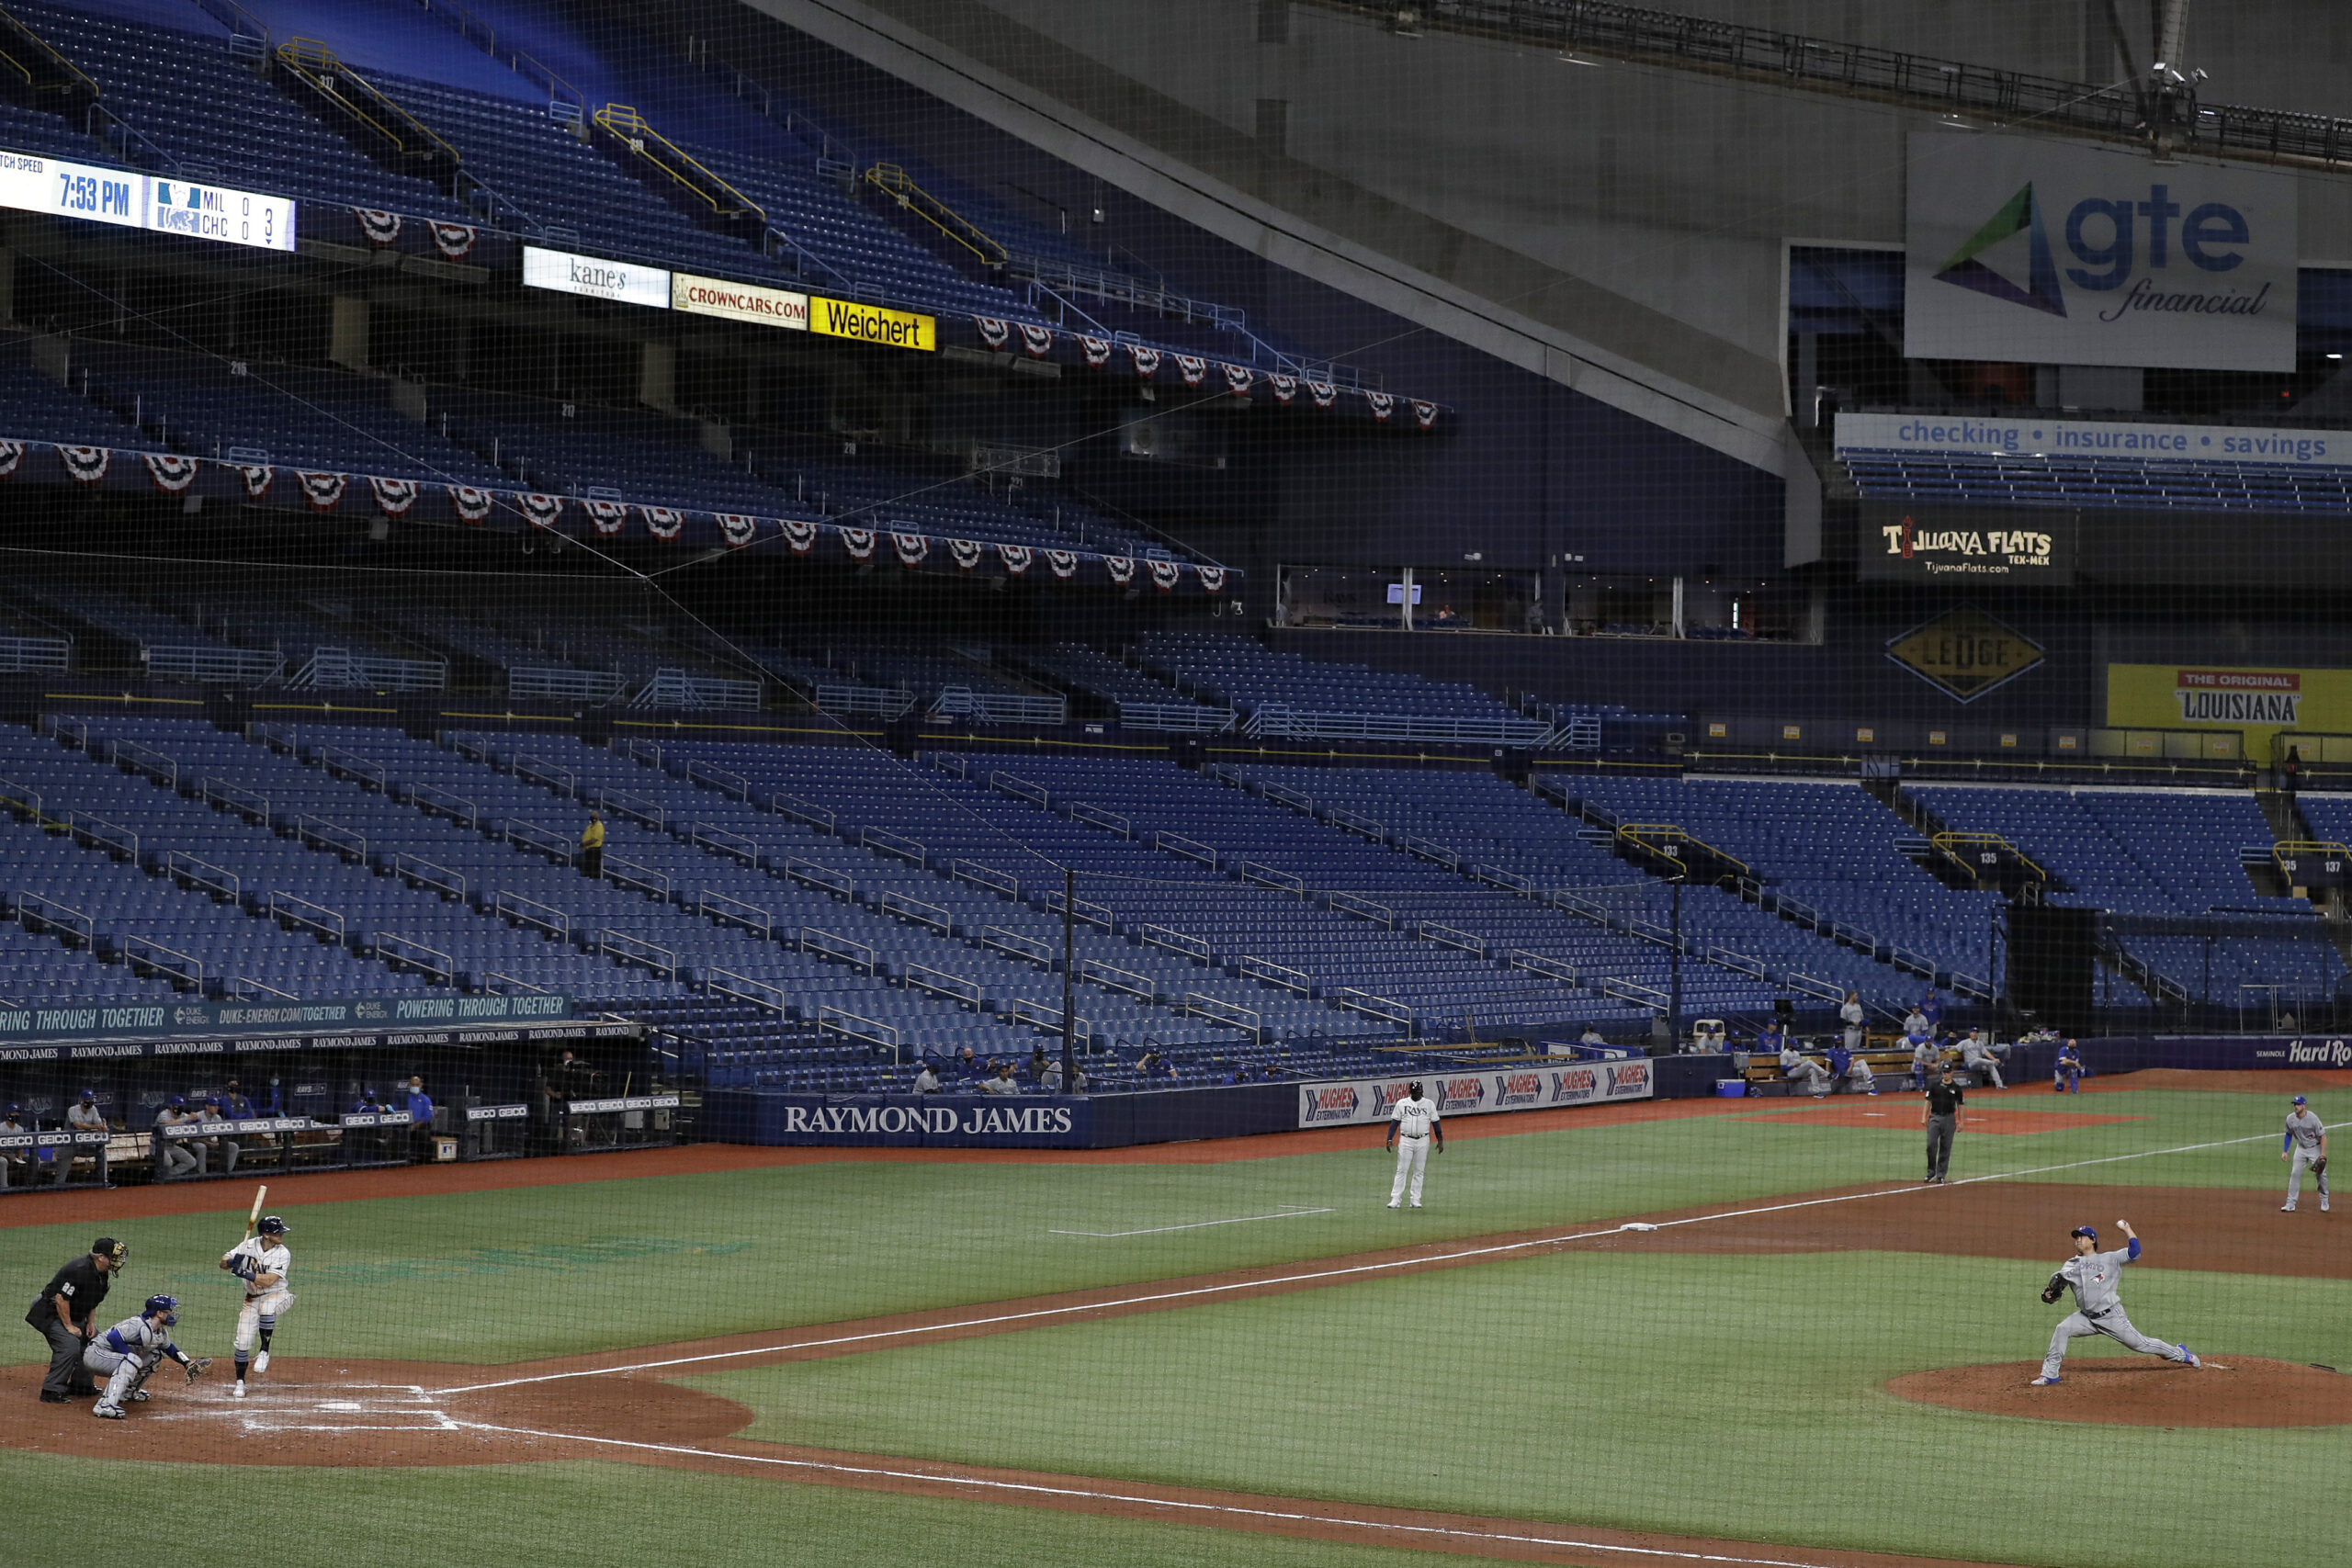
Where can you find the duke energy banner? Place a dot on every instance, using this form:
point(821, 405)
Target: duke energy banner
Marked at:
point(1524, 1086)
point(2059, 253)
point(2259, 702)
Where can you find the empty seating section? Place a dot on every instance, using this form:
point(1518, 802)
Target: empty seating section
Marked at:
point(1830, 846)
point(1239, 672)
point(2173, 854)
point(212, 118)
point(1986, 480)
point(35, 408)
point(1077, 665)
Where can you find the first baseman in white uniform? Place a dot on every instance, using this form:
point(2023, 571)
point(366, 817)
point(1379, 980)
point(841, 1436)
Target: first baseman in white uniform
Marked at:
point(1413, 1125)
point(2305, 1150)
point(261, 1261)
point(2096, 1279)
point(125, 1354)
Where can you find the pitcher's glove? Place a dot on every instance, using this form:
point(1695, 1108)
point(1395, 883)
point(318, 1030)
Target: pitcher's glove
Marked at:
point(198, 1367)
point(2053, 1291)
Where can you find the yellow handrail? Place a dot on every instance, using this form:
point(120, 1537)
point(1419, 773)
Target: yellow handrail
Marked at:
point(2285, 847)
point(1951, 843)
point(42, 44)
point(900, 187)
point(319, 65)
point(628, 125)
point(1674, 833)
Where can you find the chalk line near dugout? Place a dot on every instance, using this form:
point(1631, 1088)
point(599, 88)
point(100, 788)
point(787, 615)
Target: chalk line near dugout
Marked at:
point(1327, 1275)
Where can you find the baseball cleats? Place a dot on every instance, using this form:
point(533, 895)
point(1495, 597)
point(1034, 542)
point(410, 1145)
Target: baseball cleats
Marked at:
point(107, 1412)
point(2286, 1208)
point(1417, 1205)
point(1395, 1205)
point(261, 1363)
point(236, 1391)
point(139, 1396)
point(2043, 1383)
point(2189, 1356)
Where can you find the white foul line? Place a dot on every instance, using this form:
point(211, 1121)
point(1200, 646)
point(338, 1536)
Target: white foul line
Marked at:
point(1495, 1249)
point(1037, 1489)
point(1290, 1212)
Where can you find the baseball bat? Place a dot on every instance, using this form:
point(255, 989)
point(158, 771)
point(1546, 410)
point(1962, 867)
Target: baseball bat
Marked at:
point(253, 1219)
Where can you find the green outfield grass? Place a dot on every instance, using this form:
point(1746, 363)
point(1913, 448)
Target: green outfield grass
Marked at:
point(1705, 1394)
point(71, 1515)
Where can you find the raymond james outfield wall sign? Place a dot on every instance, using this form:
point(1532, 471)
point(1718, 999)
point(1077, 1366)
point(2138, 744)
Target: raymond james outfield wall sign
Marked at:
point(2051, 254)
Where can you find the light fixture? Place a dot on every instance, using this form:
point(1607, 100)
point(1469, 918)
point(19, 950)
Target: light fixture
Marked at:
point(2335, 356)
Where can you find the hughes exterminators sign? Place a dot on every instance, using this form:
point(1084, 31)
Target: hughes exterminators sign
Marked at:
point(1527, 1087)
point(2053, 253)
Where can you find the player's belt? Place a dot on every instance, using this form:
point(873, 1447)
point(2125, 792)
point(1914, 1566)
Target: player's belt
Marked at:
point(1414, 1135)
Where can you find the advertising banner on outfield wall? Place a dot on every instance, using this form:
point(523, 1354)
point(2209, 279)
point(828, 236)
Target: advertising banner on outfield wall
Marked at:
point(876, 1121)
point(2051, 252)
point(739, 301)
point(596, 276)
point(2258, 703)
point(2033, 435)
point(1530, 1087)
point(872, 324)
point(1964, 546)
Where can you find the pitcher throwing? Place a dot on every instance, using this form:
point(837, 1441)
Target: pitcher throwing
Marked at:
point(2095, 1278)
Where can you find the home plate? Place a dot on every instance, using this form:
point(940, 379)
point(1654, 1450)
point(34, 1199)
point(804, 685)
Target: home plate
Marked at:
point(377, 1407)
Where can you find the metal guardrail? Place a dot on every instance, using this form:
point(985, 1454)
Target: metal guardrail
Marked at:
point(539, 683)
point(821, 818)
point(916, 911)
point(184, 970)
point(1429, 850)
point(622, 948)
point(1039, 1015)
point(833, 946)
point(1511, 881)
point(722, 841)
point(640, 808)
point(1081, 912)
point(539, 771)
point(939, 983)
point(1175, 942)
point(190, 872)
point(21, 801)
point(518, 910)
point(998, 707)
point(825, 878)
point(227, 794)
point(1179, 718)
point(133, 758)
point(1350, 822)
point(1281, 719)
point(1270, 972)
point(317, 833)
point(1004, 939)
point(873, 702)
point(299, 914)
point(418, 872)
point(1449, 936)
point(1380, 914)
point(891, 844)
point(644, 754)
point(1269, 876)
point(558, 846)
point(1190, 848)
point(339, 668)
point(1808, 985)
point(850, 1026)
point(1019, 788)
point(1537, 964)
point(716, 906)
point(40, 914)
point(93, 831)
point(499, 984)
point(29, 655)
point(1629, 991)
point(338, 764)
point(212, 666)
point(1298, 800)
point(434, 801)
point(744, 989)
point(623, 873)
point(1111, 978)
point(734, 786)
point(399, 950)
point(1724, 957)
point(980, 875)
point(677, 689)
point(1233, 1015)
point(1094, 816)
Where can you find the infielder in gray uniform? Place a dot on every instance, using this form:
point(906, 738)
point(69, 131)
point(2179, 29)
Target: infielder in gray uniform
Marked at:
point(2305, 1149)
point(2095, 1278)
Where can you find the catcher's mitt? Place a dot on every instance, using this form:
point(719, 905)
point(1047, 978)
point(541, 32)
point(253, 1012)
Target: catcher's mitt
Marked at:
point(2319, 1166)
point(2053, 1291)
point(196, 1367)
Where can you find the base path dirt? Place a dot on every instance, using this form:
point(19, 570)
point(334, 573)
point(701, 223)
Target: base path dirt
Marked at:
point(2233, 1390)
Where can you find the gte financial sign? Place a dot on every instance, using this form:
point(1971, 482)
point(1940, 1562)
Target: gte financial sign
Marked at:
point(2019, 249)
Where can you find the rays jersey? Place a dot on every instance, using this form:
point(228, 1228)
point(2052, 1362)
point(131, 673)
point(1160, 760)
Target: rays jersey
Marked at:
point(1414, 1118)
point(252, 1258)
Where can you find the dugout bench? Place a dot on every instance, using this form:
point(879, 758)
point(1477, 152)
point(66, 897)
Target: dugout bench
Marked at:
point(1888, 1067)
point(622, 1121)
point(24, 1166)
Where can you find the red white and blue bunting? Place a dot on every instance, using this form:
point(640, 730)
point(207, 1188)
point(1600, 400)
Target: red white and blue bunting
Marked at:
point(1323, 392)
point(1147, 360)
point(993, 331)
point(455, 240)
point(178, 474)
point(1285, 388)
point(171, 472)
point(1096, 349)
point(394, 497)
point(1195, 370)
point(1424, 415)
point(1383, 404)
point(1239, 378)
point(380, 227)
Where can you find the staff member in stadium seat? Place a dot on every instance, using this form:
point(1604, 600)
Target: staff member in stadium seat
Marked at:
point(592, 846)
point(927, 1080)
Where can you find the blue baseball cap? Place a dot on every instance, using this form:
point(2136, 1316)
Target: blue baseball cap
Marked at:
point(2300, 1101)
point(179, 1100)
point(2084, 1230)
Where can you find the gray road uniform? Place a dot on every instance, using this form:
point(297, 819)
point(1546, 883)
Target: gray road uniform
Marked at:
point(124, 1355)
point(2096, 1279)
point(2305, 1132)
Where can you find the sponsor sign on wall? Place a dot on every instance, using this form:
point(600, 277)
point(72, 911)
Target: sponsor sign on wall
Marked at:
point(2052, 252)
point(2033, 435)
point(872, 324)
point(1525, 1086)
point(164, 204)
point(1965, 653)
point(739, 301)
point(1966, 544)
point(2259, 703)
point(596, 277)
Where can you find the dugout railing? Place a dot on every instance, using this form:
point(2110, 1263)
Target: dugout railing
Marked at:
point(621, 1121)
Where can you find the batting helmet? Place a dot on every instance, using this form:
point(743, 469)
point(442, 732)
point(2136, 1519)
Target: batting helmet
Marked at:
point(271, 1225)
point(168, 1306)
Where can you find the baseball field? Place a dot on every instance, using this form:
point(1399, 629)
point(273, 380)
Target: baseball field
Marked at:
point(1730, 1331)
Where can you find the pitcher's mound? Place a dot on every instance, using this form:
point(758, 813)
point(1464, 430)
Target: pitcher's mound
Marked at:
point(2145, 1392)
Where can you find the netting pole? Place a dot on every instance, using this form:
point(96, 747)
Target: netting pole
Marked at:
point(1070, 948)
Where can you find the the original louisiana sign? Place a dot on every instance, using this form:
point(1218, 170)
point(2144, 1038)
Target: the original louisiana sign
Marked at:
point(2257, 702)
point(1965, 653)
point(1966, 544)
point(1533, 1087)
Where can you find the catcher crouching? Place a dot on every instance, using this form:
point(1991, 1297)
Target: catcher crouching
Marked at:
point(126, 1354)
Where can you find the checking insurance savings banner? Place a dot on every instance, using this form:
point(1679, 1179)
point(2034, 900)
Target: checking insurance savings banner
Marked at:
point(1520, 1086)
point(2050, 253)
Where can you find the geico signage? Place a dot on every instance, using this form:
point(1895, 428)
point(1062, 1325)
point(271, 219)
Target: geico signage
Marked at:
point(167, 205)
point(2054, 254)
point(739, 301)
point(596, 276)
point(871, 323)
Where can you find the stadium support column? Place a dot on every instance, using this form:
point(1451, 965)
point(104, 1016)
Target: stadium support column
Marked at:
point(1070, 948)
point(1674, 992)
point(657, 376)
point(347, 332)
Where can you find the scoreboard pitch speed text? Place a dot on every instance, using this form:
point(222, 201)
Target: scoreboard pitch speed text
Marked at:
point(158, 203)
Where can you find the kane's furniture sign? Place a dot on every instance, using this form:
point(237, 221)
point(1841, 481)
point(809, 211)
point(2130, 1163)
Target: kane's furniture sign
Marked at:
point(596, 277)
point(2054, 254)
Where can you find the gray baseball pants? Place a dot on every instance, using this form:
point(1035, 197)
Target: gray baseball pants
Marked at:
point(2302, 1159)
point(2115, 1327)
point(1941, 1130)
